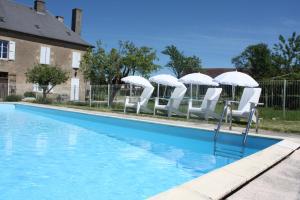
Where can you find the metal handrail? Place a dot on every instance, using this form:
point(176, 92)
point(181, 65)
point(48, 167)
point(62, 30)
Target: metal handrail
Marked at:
point(217, 130)
point(253, 109)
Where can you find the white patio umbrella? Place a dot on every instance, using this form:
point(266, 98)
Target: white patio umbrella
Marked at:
point(136, 80)
point(234, 79)
point(165, 79)
point(197, 79)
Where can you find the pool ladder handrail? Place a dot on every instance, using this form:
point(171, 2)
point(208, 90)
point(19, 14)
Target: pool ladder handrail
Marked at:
point(253, 109)
point(224, 113)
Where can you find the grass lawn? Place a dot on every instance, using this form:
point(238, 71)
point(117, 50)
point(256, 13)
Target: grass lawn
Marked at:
point(271, 119)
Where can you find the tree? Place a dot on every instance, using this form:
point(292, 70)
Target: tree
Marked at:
point(108, 67)
point(256, 60)
point(100, 66)
point(46, 76)
point(181, 64)
point(287, 53)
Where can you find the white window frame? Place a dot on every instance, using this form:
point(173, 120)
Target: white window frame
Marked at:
point(1, 50)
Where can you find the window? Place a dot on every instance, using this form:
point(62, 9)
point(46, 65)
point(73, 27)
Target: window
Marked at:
point(76, 60)
point(45, 55)
point(38, 89)
point(4, 49)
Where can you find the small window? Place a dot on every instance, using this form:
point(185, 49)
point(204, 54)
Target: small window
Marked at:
point(4, 49)
point(76, 58)
point(45, 55)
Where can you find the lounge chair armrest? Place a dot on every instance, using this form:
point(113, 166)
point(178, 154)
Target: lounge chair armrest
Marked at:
point(161, 98)
point(132, 99)
point(256, 104)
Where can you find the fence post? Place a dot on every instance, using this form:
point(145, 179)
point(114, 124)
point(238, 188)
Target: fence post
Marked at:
point(90, 96)
point(284, 99)
point(8, 90)
point(108, 95)
point(266, 97)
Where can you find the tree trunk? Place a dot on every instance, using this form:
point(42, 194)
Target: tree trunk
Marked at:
point(44, 94)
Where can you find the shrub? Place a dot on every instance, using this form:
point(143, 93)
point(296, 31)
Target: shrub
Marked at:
point(29, 94)
point(78, 103)
point(42, 100)
point(61, 98)
point(13, 98)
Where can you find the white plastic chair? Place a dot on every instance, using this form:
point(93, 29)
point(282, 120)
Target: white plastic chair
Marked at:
point(139, 103)
point(208, 105)
point(249, 96)
point(173, 103)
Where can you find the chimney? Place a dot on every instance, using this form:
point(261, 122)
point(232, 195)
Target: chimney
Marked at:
point(60, 18)
point(39, 6)
point(76, 20)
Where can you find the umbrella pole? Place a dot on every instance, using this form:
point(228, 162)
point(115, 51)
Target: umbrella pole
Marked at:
point(130, 91)
point(191, 91)
point(165, 91)
point(233, 92)
point(157, 91)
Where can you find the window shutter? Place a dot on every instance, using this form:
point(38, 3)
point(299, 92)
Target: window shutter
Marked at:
point(43, 55)
point(74, 95)
point(48, 55)
point(35, 88)
point(12, 50)
point(76, 60)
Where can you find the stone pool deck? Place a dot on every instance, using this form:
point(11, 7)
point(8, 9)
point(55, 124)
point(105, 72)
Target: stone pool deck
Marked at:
point(280, 182)
point(239, 180)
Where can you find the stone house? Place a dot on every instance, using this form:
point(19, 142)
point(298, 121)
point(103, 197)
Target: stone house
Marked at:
point(30, 36)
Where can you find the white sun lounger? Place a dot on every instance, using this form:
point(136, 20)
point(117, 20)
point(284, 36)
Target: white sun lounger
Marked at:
point(173, 103)
point(249, 96)
point(208, 105)
point(139, 103)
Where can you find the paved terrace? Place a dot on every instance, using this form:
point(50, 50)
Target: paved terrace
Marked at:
point(282, 181)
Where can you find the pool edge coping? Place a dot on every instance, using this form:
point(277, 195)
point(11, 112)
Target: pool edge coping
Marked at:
point(218, 183)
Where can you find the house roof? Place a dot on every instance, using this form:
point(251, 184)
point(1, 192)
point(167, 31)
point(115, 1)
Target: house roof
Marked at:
point(214, 72)
point(19, 18)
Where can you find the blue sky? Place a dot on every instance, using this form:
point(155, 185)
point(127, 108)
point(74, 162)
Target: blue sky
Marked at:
point(214, 30)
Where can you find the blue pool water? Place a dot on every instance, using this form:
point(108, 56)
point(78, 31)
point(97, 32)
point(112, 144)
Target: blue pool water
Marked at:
point(51, 154)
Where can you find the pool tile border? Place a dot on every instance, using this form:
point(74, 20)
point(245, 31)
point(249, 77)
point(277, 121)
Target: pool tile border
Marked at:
point(220, 182)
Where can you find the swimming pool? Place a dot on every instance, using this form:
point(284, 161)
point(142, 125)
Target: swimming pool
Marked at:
point(53, 154)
